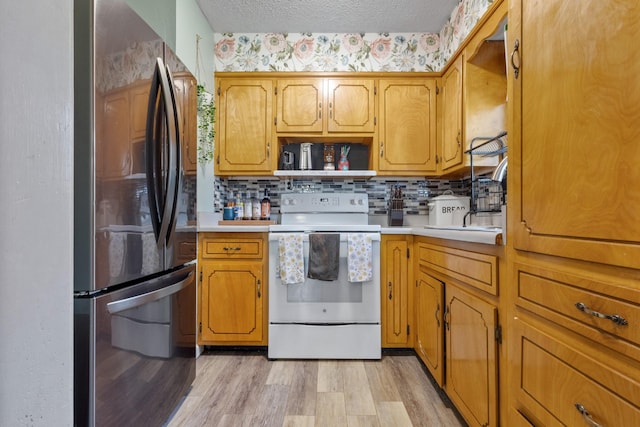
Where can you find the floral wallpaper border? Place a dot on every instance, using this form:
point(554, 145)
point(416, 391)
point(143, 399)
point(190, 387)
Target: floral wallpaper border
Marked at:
point(375, 52)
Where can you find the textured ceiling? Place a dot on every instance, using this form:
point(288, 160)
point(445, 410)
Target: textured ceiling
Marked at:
point(327, 16)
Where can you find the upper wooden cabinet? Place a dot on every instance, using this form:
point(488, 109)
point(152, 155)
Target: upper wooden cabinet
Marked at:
point(451, 147)
point(575, 135)
point(473, 97)
point(245, 127)
point(325, 105)
point(407, 134)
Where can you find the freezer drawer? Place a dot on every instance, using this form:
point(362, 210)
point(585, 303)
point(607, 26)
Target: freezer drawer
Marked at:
point(135, 351)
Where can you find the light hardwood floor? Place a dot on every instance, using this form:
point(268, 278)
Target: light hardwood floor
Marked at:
point(246, 389)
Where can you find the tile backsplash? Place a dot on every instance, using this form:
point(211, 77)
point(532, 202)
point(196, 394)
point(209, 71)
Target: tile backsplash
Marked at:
point(415, 191)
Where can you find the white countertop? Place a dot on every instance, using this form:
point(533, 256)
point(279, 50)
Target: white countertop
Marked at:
point(208, 222)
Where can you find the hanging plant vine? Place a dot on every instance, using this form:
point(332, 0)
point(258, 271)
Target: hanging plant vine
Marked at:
point(206, 129)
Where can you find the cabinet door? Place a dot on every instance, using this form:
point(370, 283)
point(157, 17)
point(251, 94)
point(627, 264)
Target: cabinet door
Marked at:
point(231, 302)
point(300, 105)
point(245, 128)
point(429, 333)
point(576, 126)
point(187, 99)
point(471, 356)
point(115, 145)
point(451, 101)
point(407, 135)
point(351, 105)
point(395, 306)
point(559, 382)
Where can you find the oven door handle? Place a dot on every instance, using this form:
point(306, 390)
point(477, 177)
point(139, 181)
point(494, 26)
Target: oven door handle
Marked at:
point(305, 236)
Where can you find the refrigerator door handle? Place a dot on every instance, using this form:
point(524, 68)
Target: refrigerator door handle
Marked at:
point(151, 147)
point(175, 163)
point(135, 301)
point(156, 146)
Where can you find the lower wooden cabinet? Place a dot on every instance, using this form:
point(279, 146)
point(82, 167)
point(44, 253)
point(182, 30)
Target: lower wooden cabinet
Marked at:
point(396, 310)
point(429, 344)
point(458, 332)
point(471, 361)
point(561, 384)
point(233, 292)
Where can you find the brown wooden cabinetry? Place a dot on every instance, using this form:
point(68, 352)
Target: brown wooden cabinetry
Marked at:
point(429, 341)
point(452, 135)
point(574, 260)
point(325, 105)
point(471, 355)
point(395, 291)
point(576, 191)
point(233, 292)
point(457, 325)
point(407, 134)
point(244, 137)
point(473, 97)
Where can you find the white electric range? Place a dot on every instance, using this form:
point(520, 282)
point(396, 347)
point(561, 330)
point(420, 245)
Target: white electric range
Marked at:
point(325, 319)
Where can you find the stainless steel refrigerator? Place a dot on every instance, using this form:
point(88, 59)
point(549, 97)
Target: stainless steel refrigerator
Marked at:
point(134, 222)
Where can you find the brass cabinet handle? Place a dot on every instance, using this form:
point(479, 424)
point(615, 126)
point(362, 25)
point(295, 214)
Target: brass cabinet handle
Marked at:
point(231, 249)
point(381, 149)
point(458, 137)
point(586, 415)
point(615, 318)
point(330, 110)
point(438, 312)
point(390, 294)
point(259, 289)
point(319, 110)
point(515, 54)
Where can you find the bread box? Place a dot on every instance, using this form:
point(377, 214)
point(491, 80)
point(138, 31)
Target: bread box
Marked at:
point(448, 209)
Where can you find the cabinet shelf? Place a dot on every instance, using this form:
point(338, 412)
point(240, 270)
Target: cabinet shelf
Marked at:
point(324, 173)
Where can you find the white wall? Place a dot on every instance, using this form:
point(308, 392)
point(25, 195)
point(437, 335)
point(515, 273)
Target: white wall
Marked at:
point(191, 25)
point(36, 199)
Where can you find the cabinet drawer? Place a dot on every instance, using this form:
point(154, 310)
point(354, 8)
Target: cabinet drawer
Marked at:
point(231, 248)
point(554, 378)
point(555, 295)
point(473, 268)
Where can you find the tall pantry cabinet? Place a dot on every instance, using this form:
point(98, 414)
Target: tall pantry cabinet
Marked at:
point(574, 237)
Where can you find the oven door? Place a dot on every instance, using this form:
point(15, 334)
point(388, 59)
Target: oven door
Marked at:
point(324, 302)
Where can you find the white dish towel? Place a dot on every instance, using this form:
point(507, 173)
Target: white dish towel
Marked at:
point(360, 259)
point(291, 258)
